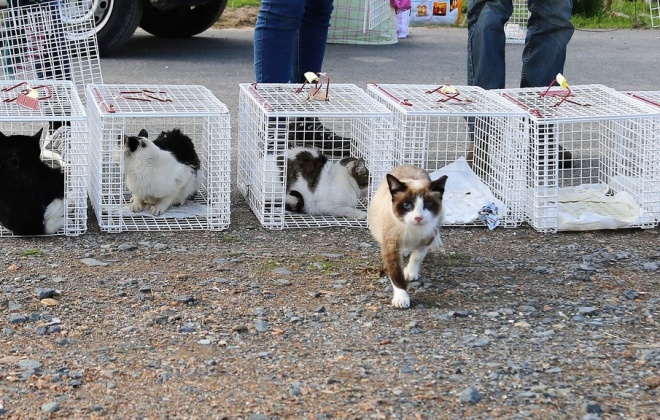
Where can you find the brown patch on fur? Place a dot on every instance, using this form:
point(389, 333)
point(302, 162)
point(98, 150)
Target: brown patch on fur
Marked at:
point(298, 208)
point(359, 171)
point(308, 166)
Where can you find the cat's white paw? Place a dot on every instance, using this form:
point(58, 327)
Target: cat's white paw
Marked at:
point(361, 215)
point(54, 216)
point(411, 273)
point(157, 210)
point(135, 207)
point(400, 298)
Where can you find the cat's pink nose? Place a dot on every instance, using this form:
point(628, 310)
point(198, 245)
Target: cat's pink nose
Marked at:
point(418, 218)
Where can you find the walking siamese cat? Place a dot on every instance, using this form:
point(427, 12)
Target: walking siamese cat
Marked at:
point(404, 217)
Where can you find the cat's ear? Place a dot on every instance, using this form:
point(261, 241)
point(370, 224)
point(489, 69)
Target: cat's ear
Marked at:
point(143, 133)
point(38, 134)
point(439, 185)
point(395, 185)
point(361, 167)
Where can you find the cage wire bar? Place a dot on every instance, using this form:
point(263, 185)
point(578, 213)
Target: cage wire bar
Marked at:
point(58, 102)
point(362, 21)
point(613, 178)
point(267, 118)
point(516, 27)
point(50, 41)
point(118, 110)
point(654, 9)
point(434, 129)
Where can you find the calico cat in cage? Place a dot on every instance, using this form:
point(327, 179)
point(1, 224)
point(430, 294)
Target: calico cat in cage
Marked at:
point(31, 192)
point(404, 217)
point(316, 185)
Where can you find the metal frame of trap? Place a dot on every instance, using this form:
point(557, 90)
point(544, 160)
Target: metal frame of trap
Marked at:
point(436, 125)
point(515, 28)
point(50, 41)
point(615, 143)
point(267, 113)
point(654, 9)
point(118, 110)
point(358, 16)
point(26, 107)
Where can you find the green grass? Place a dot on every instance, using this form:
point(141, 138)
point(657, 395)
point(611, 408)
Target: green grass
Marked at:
point(235, 4)
point(623, 15)
point(30, 252)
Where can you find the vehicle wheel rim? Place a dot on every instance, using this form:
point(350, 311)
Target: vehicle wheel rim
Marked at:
point(102, 12)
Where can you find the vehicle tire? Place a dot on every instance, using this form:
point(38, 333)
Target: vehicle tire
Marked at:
point(116, 20)
point(182, 22)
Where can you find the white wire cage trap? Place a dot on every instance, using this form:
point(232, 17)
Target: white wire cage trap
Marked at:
point(649, 97)
point(654, 9)
point(362, 22)
point(269, 123)
point(470, 134)
point(50, 41)
point(118, 110)
point(515, 28)
point(594, 158)
point(54, 107)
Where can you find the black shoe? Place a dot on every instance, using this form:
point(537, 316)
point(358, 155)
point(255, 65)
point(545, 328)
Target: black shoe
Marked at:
point(565, 158)
point(304, 131)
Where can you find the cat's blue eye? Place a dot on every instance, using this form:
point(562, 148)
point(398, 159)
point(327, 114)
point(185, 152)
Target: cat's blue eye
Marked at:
point(407, 206)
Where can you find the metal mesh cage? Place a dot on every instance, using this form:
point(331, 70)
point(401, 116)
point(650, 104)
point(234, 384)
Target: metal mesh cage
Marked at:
point(611, 179)
point(654, 9)
point(362, 22)
point(516, 27)
point(57, 105)
point(50, 41)
point(648, 97)
point(267, 128)
point(117, 110)
point(434, 129)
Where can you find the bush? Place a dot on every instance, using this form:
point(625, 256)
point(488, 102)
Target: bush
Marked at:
point(588, 8)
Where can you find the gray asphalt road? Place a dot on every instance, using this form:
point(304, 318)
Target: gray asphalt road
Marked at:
point(221, 59)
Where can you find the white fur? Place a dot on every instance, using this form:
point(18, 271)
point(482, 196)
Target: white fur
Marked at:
point(419, 223)
point(156, 179)
point(337, 192)
point(54, 217)
point(400, 299)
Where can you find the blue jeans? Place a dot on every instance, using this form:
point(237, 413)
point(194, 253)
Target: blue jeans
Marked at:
point(549, 29)
point(290, 38)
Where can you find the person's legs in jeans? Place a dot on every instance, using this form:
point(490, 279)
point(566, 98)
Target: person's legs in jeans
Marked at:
point(486, 67)
point(312, 39)
point(549, 29)
point(275, 40)
point(290, 38)
point(486, 42)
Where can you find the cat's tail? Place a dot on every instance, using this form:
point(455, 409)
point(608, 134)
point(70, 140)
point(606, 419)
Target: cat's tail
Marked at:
point(54, 217)
point(296, 206)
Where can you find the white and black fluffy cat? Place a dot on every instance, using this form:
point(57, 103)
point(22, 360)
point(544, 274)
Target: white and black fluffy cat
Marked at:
point(31, 192)
point(161, 173)
point(318, 186)
point(404, 216)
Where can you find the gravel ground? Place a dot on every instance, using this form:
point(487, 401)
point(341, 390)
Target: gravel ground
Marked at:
point(257, 324)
